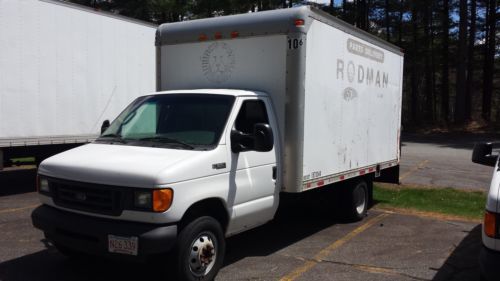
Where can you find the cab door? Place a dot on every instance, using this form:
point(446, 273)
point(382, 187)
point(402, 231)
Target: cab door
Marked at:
point(253, 193)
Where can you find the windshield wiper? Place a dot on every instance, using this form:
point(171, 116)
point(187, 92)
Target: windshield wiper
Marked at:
point(167, 140)
point(112, 137)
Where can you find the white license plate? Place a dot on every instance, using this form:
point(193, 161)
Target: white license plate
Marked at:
point(123, 245)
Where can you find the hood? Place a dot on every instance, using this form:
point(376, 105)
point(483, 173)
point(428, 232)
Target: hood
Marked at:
point(122, 165)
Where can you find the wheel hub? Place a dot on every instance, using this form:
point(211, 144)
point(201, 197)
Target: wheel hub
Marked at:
point(360, 196)
point(203, 255)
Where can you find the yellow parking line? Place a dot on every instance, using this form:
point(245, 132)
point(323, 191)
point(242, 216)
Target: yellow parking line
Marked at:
point(327, 251)
point(18, 209)
point(414, 169)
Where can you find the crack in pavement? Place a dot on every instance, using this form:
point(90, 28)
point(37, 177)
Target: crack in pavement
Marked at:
point(364, 267)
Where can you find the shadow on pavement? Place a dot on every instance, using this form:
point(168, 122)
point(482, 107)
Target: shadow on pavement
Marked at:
point(17, 181)
point(297, 220)
point(290, 226)
point(50, 265)
point(463, 263)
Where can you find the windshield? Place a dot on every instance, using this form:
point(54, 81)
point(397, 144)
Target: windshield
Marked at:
point(187, 121)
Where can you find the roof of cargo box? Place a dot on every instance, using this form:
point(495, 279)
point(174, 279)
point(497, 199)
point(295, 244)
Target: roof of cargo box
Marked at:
point(281, 21)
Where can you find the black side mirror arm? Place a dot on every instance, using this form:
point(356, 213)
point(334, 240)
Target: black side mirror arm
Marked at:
point(236, 141)
point(104, 126)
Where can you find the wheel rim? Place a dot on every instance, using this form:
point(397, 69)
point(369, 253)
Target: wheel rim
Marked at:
point(203, 253)
point(360, 197)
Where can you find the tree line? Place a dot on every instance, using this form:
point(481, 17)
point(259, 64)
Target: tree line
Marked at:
point(451, 46)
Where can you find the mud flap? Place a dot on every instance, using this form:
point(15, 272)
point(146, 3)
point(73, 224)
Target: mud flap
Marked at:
point(389, 175)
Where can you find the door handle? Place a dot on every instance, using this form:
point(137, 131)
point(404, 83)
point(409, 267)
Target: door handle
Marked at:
point(275, 172)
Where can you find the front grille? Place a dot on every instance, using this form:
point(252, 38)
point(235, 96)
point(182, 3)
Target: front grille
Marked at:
point(87, 197)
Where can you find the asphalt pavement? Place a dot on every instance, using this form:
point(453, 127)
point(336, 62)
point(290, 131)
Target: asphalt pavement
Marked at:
point(303, 243)
point(444, 160)
point(306, 242)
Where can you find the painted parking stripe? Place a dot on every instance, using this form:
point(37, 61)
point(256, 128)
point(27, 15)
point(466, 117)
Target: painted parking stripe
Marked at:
point(19, 209)
point(299, 271)
point(414, 169)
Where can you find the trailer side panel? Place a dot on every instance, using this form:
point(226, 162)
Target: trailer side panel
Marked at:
point(65, 69)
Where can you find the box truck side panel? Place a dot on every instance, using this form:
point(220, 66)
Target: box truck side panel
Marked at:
point(352, 105)
point(254, 63)
point(64, 69)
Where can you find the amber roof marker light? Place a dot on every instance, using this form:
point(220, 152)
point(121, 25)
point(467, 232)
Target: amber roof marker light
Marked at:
point(299, 22)
point(202, 37)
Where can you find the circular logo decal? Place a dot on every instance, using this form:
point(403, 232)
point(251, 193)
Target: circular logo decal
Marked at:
point(218, 62)
point(349, 94)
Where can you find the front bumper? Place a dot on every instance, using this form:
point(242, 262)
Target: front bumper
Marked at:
point(90, 234)
point(489, 262)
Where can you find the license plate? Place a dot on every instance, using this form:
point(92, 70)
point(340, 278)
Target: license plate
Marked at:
point(123, 245)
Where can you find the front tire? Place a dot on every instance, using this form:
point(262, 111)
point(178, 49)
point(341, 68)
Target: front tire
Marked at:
point(200, 250)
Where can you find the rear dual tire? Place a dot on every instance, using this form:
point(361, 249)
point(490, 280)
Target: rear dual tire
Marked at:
point(356, 199)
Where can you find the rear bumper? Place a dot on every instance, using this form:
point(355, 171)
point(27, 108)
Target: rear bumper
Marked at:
point(489, 262)
point(90, 234)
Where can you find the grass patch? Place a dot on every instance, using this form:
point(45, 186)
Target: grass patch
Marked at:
point(467, 204)
point(23, 159)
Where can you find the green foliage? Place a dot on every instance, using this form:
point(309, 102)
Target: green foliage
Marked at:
point(425, 29)
point(441, 200)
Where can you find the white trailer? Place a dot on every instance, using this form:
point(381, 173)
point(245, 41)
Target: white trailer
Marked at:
point(249, 107)
point(63, 70)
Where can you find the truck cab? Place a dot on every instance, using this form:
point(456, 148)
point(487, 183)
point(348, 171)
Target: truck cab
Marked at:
point(166, 159)
point(490, 253)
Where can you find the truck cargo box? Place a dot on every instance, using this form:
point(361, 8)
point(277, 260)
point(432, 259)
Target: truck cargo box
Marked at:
point(337, 90)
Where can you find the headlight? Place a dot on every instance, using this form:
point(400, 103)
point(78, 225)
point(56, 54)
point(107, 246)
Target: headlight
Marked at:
point(157, 200)
point(43, 185)
point(143, 199)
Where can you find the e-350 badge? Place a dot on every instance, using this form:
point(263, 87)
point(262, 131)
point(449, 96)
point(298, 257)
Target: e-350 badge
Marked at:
point(218, 62)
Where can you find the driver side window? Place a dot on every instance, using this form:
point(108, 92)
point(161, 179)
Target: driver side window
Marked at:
point(251, 113)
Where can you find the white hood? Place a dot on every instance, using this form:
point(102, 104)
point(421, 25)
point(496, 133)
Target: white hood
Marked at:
point(132, 166)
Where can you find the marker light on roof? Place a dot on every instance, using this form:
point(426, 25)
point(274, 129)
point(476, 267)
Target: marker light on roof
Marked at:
point(299, 22)
point(202, 37)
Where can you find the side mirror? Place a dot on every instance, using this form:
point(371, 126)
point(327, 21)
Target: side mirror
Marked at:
point(263, 137)
point(483, 154)
point(104, 126)
point(261, 140)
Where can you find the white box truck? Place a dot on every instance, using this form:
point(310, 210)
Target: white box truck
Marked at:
point(248, 107)
point(63, 70)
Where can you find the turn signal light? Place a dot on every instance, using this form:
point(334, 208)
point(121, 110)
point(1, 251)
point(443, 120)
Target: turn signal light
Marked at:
point(299, 22)
point(490, 224)
point(162, 199)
